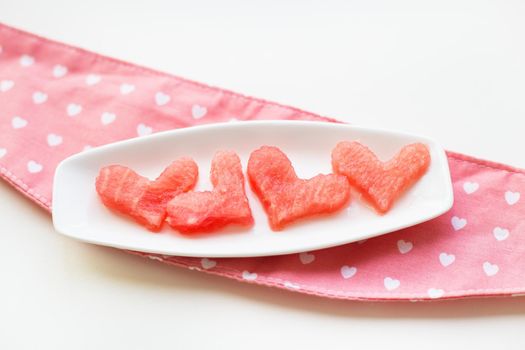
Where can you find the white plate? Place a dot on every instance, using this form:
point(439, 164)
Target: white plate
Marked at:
point(78, 212)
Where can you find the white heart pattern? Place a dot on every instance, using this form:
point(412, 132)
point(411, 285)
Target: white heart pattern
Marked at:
point(26, 60)
point(126, 89)
point(92, 79)
point(306, 258)
point(490, 269)
point(73, 109)
point(143, 130)
point(348, 271)
point(3, 152)
point(458, 223)
point(434, 293)
point(18, 122)
point(59, 71)
point(39, 97)
point(512, 197)
point(446, 259)
point(249, 276)
point(208, 264)
point(6, 85)
point(161, 98)
point(198, 111)
point(107, 118)
point(391, 283)
point(470, 187)
point(34, 167)
point(54, 140)
point(500, 234)
point(404, 246)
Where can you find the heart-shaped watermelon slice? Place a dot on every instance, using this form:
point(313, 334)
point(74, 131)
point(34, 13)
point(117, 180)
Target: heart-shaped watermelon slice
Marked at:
point(123, 190)
point(286, 197)
point(209, 211)
point(380, 183)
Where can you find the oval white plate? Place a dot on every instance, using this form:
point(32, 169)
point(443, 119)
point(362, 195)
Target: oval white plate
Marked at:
point(78, 213)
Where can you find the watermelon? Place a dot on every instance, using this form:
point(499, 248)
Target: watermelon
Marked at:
point(123, 190)
point(380, 183)
point(209, 211)
point(287, 198)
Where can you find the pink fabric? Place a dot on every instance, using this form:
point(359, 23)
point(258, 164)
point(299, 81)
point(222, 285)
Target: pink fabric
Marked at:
point(55, 100)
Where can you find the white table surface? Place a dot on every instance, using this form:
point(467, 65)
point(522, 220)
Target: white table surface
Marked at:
point(452, 70)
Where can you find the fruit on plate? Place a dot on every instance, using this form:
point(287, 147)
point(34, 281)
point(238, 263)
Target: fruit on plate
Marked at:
point(380, 183)
point(211, 210)
point(286, 197)
point(127, 192)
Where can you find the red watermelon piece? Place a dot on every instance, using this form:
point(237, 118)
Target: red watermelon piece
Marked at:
point(381, 183)
point(126, 192)
point(209, 211)
point(287, 198)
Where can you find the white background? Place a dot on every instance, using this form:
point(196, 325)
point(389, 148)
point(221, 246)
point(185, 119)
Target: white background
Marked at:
point(452, 70)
